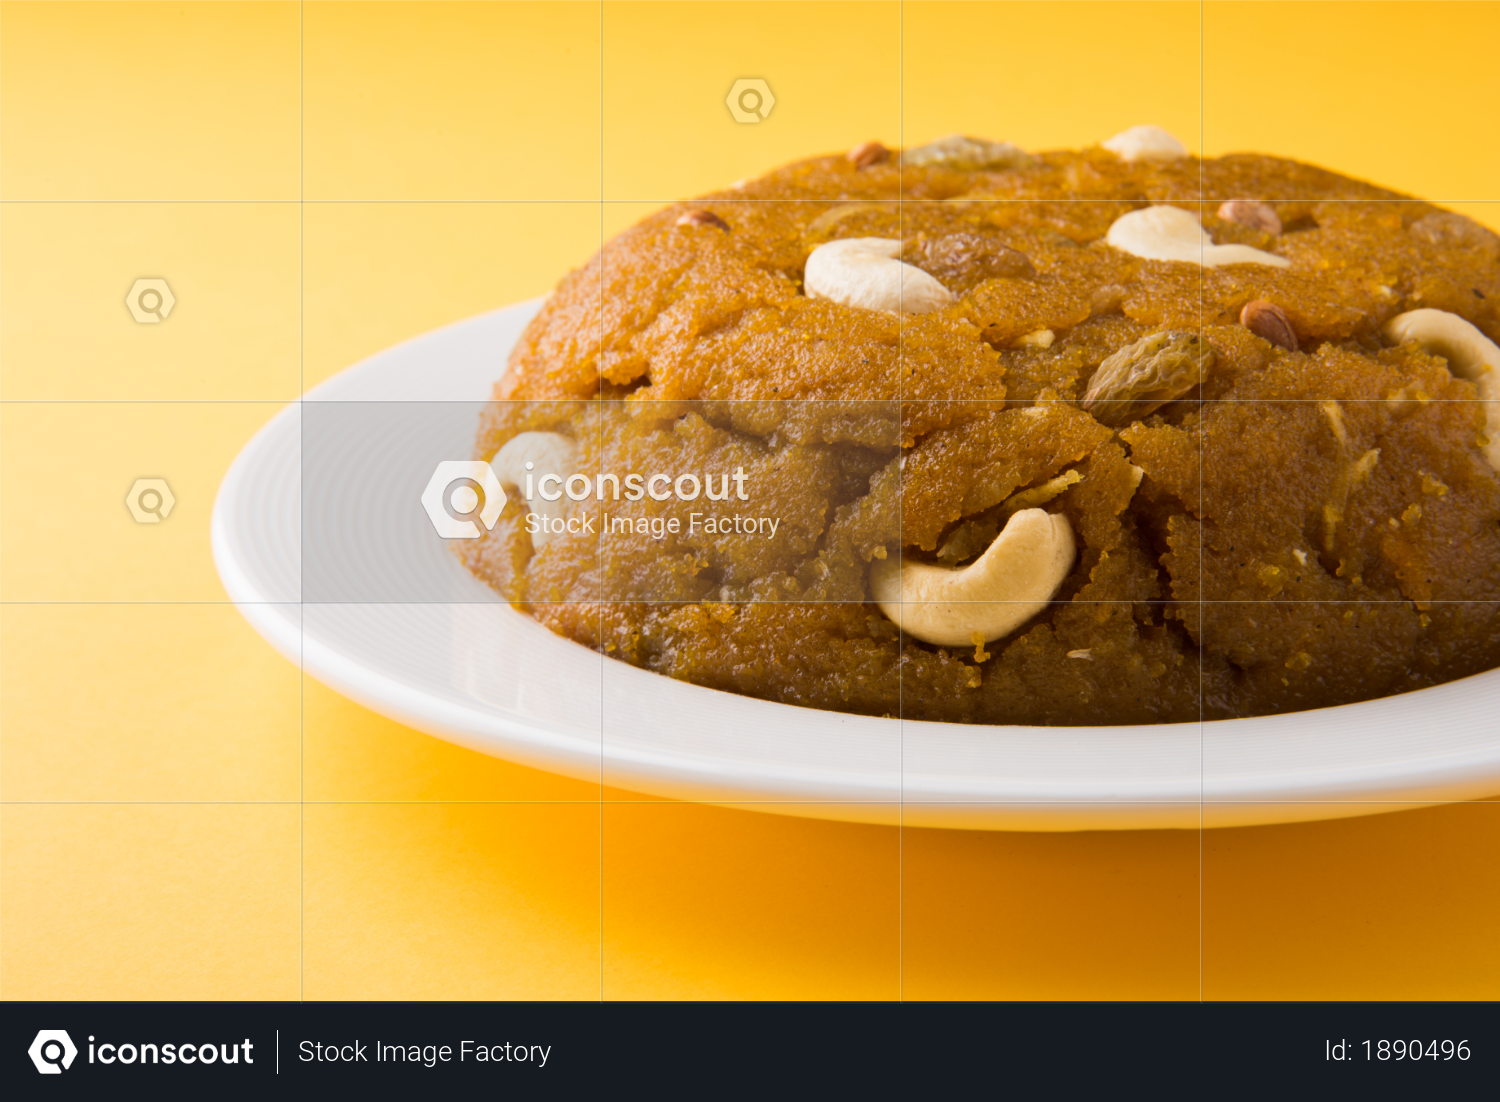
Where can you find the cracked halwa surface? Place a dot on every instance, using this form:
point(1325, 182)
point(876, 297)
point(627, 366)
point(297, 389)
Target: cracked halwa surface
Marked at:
point(1312, 527)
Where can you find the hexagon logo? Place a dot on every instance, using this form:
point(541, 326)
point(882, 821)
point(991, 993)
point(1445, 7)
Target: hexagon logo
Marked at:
point(52, 1051)
point(454, 509)
point(150, 500)
point(750, 100)
point(150, 301)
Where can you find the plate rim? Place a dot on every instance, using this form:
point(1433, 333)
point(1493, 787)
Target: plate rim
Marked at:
point(1463, 775)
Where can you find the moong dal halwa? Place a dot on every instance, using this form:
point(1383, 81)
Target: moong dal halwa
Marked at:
point(1114, 436)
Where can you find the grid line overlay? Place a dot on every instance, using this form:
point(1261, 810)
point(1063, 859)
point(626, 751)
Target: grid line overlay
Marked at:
point(1202, 311)
point(601, 803)
point(301, 389)
point(603, 703)
point(900, 517)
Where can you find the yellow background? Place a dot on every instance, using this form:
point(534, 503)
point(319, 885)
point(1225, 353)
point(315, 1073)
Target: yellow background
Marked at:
point(185, 817)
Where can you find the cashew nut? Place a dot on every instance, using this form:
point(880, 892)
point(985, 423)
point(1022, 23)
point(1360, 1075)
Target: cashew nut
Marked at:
point(1471, 356)
point(1145, 143)
point(1171, 233)
point(864, 272)
point(535, 454)
point(995, 594)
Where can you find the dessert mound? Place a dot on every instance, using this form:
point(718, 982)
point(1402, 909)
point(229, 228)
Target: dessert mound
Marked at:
point(1112, 436)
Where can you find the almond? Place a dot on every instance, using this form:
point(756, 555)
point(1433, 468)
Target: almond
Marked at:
point(703, 218)
point(869, 153)
point(1269, 322)
point(1251, 212)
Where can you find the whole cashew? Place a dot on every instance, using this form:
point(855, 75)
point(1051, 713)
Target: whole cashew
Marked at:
point(864, 272)
point(1471, 356)
point(995, 594)
point(1171, 233)
point(546, 453)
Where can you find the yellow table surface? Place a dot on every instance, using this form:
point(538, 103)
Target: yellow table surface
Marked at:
point(186, 817)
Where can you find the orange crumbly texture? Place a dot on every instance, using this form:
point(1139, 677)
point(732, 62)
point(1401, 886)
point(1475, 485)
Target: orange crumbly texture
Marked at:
point(1264, 562)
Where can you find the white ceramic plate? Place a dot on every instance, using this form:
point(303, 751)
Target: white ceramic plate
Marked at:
point(454, 661)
